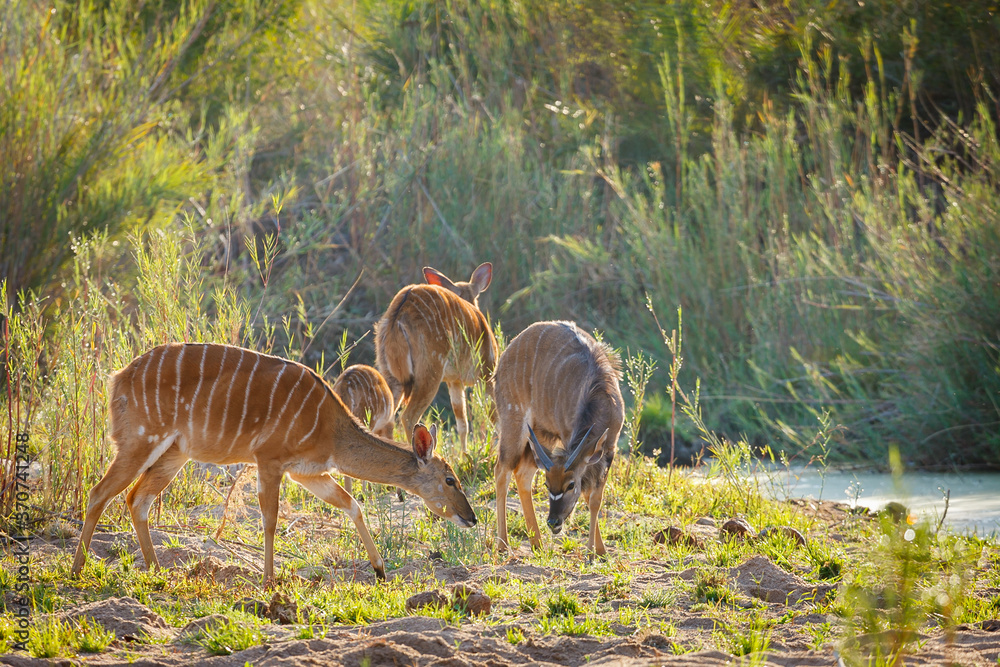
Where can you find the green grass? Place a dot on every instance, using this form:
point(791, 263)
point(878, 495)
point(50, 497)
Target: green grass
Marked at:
point(233, 635)
point(922, 582)
point(562, 603)
point(92, 637)
point(712, 586)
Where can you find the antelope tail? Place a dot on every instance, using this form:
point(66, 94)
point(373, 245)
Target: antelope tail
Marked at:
point(395, 360)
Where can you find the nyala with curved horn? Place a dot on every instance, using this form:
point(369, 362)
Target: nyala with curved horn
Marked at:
point(556, 385)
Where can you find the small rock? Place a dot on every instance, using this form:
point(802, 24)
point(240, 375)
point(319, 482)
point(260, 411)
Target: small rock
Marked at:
point(462, 591)
point(787, 531)
point(466, 598)
point(477, 604)
point(737, 527)
point(673, 535)
point(257, 608)
point(283, 610)
point(426, 599)
point(706, 521)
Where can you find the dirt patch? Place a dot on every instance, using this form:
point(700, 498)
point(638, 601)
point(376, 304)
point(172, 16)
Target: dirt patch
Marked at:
point(212, 568)
point(676, 628)
point(430, 642)
point(126, 617)
point(760, 578)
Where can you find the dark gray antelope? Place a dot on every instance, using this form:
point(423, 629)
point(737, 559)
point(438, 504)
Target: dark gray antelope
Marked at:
point(556, 384)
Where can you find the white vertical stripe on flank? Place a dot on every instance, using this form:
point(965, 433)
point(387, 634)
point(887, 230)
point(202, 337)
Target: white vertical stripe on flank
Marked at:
point(208, 406)
point(229, 391)
point(145, 402)
point(159, 368)
point(201, 378)
point(316, 420)
point(246, 398)
point(274, 388)
point(305, 400)
point(177, 384)
point(302, 371)
point(136, 370)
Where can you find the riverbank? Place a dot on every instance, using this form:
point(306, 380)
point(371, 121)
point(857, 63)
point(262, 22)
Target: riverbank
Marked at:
point(696, 574)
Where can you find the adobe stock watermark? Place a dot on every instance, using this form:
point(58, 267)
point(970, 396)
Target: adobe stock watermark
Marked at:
point(20, 547)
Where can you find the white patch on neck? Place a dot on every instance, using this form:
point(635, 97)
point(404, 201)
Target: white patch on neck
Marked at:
point(554, 497)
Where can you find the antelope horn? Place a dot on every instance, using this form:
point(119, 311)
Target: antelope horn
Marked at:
point(540, 452)
point(579, 447)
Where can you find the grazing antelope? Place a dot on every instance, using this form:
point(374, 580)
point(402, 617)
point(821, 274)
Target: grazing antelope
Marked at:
point(367, 396)
point(557, 381)
point(222, 404)
point(433, 333)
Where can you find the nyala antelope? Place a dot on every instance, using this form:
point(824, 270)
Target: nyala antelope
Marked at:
point(556, 381)
point(367, 396)
point(432, 333)
point(222, 404)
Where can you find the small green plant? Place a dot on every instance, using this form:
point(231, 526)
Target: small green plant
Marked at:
point(659, 597)
point(568, 625)
point(91, 636)
point(314, 626)
point(618, 588)
point(821, 633)
point(172, 542)
point(712, 586)
point(515, 635)
point(527, 602)
point(562, 603)
point(754, 639)
point(49, 638)
point(230, 636)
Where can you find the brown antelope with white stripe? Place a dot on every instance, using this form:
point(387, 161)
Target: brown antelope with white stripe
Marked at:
point(556, 381)
point(222, 404)
point(433, 333)
point(367, 395)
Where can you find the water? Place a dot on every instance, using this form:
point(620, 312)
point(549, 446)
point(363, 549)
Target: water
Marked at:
point(974, 505)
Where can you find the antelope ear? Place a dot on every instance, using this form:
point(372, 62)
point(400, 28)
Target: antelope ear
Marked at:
point(602, 442)
point(423, 443)
point(481, 277)
point(434, 277)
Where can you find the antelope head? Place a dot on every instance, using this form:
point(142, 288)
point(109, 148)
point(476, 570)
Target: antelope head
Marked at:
point(469, 291)
point(564, 472)
point(436, 483)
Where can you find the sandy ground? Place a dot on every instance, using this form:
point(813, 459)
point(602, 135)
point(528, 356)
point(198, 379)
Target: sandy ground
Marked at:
point(144, 638)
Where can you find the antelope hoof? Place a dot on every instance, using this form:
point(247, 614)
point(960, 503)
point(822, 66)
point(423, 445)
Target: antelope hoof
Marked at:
point(379, 572)
point(599, 555)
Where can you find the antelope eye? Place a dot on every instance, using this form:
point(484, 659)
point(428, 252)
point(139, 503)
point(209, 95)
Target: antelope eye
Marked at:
point(450, 481)
point(570, 486)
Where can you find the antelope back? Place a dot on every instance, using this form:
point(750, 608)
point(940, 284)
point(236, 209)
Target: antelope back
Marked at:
point(219, 403)
point(366, 394)
point(427, 325)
